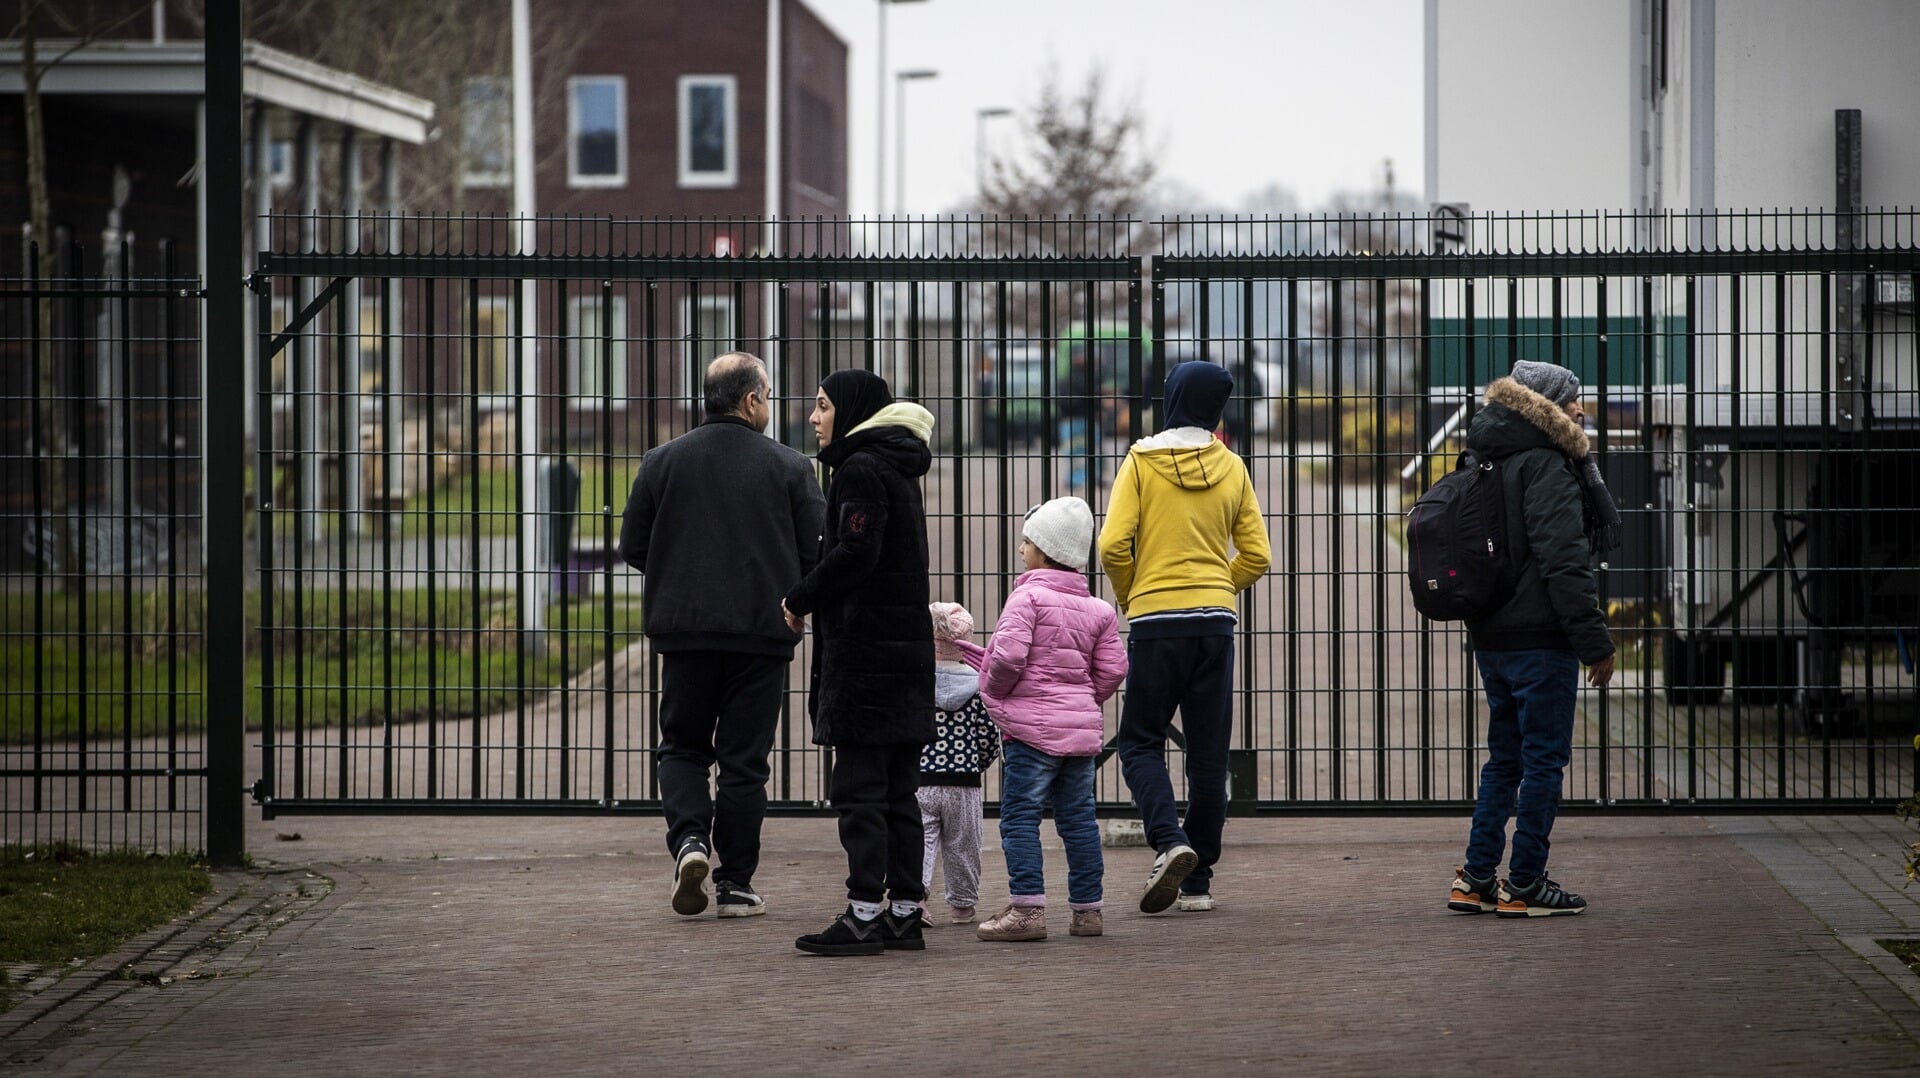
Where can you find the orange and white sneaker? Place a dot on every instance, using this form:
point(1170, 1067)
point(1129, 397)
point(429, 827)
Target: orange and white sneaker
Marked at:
point(1473, 895)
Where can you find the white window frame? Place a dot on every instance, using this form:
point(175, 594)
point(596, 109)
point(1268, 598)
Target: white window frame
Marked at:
point(578, 364)
point(729, 176)
point(487, 179)
point(619, 178)
point(692, 364)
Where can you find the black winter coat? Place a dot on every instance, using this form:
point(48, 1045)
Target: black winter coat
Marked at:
point(722, 520)
point(873, 636)
point(1556, 603)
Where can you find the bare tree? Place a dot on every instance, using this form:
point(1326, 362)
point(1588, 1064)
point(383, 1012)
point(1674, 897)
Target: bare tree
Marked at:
point(1075, 184)
point(76, 26)
point(1084, 156)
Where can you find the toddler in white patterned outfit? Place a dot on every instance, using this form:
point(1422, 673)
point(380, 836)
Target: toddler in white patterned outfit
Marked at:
point(965, 745)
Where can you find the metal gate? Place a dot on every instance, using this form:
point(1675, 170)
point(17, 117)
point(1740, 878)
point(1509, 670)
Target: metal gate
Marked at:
point(445, 434)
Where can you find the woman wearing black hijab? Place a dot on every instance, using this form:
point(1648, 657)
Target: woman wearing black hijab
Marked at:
point(872, 693)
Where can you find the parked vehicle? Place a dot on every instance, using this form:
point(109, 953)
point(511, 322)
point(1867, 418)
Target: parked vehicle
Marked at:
point(1016, 404)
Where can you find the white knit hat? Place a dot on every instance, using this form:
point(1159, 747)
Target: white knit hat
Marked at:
point(1063, 530)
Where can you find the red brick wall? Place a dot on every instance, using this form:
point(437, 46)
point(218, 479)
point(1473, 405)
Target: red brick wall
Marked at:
point(814, 127)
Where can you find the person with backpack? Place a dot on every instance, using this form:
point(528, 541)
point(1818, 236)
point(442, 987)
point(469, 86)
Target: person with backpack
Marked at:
point(1558, 517)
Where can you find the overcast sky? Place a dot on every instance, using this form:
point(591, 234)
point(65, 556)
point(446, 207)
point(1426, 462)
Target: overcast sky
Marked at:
point(1237, 94)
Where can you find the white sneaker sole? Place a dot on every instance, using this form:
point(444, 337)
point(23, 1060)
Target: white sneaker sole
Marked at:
point(688, 896)
point(1202, 904)
point(1163, 888)
point(740, 909)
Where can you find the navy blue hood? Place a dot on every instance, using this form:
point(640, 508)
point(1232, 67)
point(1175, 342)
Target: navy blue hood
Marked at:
point(1196, 395)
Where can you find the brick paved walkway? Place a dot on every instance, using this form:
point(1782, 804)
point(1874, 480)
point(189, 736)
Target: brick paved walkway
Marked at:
point(383, 946)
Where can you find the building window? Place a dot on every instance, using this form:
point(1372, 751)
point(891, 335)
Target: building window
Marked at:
point(280, 161)
point(596, 376)
point(597, 131)
point(486, 133)
point(487, 345)
point(709, 329)
point(709, 152)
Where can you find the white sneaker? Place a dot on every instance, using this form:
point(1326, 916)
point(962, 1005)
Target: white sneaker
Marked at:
point(1199, 903)
point(1163, 883)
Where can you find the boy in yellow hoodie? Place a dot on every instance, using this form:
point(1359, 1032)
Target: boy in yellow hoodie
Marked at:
point(1183, 538)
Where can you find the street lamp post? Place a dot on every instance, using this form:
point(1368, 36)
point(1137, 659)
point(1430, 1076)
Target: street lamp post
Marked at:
point(980, 118)
point(880, 114)
point(901, 78)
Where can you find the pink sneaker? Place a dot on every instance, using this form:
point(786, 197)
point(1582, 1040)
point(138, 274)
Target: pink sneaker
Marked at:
point(960, 915)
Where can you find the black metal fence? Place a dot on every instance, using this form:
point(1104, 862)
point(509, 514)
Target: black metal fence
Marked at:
point(443, 626)
point(443, 433)
point(101, 668)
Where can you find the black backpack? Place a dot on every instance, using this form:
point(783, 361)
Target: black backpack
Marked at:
point(1458, 564)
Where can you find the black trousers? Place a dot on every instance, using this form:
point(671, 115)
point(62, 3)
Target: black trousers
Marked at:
point(718, 707)
point(873, 789)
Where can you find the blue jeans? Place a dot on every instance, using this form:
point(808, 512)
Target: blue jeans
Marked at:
point(1029, 782)
point(1078, 441)
point(1530, 704)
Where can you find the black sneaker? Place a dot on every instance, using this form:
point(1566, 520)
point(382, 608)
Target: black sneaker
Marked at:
point(1472, 894)
point(847, 935)
point(901, 933)
point(1541, 898)
point(689, 872)
point(736, 900)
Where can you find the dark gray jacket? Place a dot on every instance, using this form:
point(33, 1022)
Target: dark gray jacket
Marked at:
point(722, 520)
point(1556, 603)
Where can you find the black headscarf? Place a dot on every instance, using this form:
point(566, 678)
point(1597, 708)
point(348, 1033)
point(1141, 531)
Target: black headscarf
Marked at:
point(1196, 395)
point(857, 396)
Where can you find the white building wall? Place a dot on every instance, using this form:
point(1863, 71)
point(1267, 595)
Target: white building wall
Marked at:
point(1783, 67)
point(1533, 108)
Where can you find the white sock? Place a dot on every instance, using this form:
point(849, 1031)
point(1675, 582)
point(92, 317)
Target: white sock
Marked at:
point(866, 911)
point(906, 909)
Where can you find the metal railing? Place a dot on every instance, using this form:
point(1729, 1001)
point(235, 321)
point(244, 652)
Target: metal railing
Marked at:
point(435, 621)
point(442, 640)
point(101, 611)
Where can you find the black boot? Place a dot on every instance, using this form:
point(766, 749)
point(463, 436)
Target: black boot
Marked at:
point(901, 933)
point(847, 935)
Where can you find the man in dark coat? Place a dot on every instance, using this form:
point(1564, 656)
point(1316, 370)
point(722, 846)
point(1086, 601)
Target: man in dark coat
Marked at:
point(722, 520)
point(1530, 651)
point(872, 697)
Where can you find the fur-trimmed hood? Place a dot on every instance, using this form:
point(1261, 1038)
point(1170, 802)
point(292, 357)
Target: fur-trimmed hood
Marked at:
point(1542, 414)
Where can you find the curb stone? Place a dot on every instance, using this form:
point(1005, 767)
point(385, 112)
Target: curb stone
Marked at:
point(242, 906)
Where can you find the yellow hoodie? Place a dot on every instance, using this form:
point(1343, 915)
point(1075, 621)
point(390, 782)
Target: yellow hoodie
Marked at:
point(1179, 498)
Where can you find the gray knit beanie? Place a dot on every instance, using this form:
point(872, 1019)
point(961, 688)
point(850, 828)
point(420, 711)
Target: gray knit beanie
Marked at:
point(1553, 382)
point(1063, 530)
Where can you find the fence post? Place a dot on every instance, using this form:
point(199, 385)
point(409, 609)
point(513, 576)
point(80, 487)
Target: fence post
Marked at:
point(1243, 781)
point(223, 411)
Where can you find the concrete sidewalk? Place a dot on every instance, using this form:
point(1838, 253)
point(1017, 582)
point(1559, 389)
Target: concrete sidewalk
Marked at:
point(434, 945)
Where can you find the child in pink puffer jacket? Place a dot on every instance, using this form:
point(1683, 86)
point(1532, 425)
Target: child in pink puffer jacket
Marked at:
point(1055, 658)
